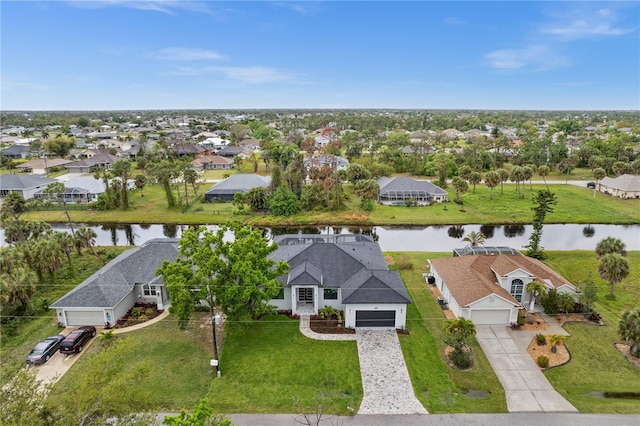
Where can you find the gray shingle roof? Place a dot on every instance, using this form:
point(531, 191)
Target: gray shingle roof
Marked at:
point(625, 182)
point(19, 182)
point(107, 287)
point(239, 183)
point(408, 184)
point(352, 262)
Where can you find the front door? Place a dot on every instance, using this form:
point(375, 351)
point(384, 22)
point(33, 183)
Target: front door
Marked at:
point(305, 295)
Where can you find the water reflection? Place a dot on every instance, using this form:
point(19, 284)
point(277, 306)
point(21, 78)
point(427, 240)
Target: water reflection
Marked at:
point(425, 238)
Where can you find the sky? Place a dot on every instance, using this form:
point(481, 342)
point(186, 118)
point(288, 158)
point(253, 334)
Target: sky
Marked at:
point(139, 55)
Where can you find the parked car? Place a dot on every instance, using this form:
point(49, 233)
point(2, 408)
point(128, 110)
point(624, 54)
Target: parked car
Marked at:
point(44, 350)
point(591, 185)
point(74, 342)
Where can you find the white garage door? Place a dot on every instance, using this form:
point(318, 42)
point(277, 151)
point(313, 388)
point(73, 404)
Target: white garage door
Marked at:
point(85, 318)
point(490, 316)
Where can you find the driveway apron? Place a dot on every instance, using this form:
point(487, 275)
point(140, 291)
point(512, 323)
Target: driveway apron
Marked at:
point(385, 379)
point(525, 387)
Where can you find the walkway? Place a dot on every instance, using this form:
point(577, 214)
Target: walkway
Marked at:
point(385, 378)
point(525, 387)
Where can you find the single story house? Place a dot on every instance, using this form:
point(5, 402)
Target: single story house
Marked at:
point(79, 189)
point(16, 152)
point(25, 185)
point(42, 166)
point(625, 186)
point(232, 151)
point(212, 162)
point(239, 183)
point(347, 272)
point(491, 289)
point(398, 190)
point(107, 295)
point(321, 160)
point(90, 165)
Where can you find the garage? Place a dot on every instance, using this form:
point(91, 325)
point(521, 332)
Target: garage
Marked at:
point(85, 318)
point(490, 316)
point(375, 318)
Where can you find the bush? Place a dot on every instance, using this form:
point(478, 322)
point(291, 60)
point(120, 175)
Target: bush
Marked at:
point(404, 263)
point(550, 302)
point(367, 205)
point(594, 316)
point(543, 361)
point(460, 359)
point(541, 339)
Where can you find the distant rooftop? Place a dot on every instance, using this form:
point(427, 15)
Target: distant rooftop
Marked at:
point(475, 250)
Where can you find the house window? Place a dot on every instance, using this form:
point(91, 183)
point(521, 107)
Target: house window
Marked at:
point(149, 290)
point(517, 287)
point(330, 294)
point(280, 295)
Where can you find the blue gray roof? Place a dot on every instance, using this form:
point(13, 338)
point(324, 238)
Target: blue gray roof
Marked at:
point(406, 184)
point(19, 182)
point(352, 262)
point(239, 183)
point(107, 287)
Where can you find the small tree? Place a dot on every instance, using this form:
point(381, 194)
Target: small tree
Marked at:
point(475, 239)
point(555, 340)
point(610, 245)
point(629, 330)
point(543, 204)
point(461, 186)
point(613, 268)
point(491, 179)
point(598, 174)
point(535, 288)
point(474, 179)
point(457, 332)
point(565, 303)
point(283, 202)
point(202, 416)
point(588, 294)
point(544, 171)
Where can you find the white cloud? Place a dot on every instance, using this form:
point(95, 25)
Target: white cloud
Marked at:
point(530, 58)
point(252, 75)
point(186, 54)
point(163, 6)
point(584, 24)
point(455, 22)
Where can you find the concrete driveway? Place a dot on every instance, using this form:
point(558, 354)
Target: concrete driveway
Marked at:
point(525, 387)
point(59, 364)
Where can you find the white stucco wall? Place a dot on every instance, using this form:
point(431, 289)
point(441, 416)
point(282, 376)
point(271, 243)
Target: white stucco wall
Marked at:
point(283, 304)
point(350, 313)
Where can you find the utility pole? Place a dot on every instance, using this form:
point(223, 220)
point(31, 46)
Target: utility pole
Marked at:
point(215, 320)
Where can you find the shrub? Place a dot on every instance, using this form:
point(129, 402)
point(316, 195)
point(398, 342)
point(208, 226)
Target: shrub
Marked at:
point(460, 358)
point(594, 316)
point(550, 302)
point(543, 361)
point(520, 320)
point(136, 312)
point(404, 263)
point(541, 339)
point(367, 205)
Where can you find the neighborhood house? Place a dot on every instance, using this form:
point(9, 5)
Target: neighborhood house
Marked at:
point(347, 272)
point(107, 295)
point(491, 289)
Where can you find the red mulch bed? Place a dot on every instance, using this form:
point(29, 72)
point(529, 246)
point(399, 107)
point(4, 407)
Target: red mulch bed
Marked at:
point(148, 310)
point(329, 326)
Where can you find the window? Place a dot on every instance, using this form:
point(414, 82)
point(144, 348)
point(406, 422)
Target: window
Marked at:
point(330, 294)
point(517, 287)
point(149, 290)
point(280, 295)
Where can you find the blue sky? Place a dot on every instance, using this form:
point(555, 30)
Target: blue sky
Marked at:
point(113, 54)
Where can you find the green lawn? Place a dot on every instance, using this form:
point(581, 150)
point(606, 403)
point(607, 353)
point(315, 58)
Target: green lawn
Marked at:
point(595, 364)
point(575, 205)
point(270, 367)
point(439, 387)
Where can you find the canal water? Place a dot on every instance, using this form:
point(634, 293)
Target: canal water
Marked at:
point(390, 238)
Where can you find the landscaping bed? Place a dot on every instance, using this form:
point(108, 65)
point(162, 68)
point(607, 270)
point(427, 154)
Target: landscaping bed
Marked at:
point(328, 326)
point(139, 313)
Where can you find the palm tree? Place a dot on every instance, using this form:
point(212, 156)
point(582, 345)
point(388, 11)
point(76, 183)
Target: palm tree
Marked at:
point(474, 179)
point(613, 268)
point(458, 331)
point(544, 171)
point(17, 287)
point(86, 238)
point(503, 174)
point(475, 238)
point(460, 185)
point(66, 243)
point(535, 288)
point(598, 174)
point(611, 245)
point(555, 340)
point(629, 330)
point(491, 179)
point(566, 302)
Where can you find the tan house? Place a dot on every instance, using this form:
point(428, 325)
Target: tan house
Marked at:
point(491, 289)
point(625, 186)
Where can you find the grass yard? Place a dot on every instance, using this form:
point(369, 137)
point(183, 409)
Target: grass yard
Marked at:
point(179, 373)
point(439, 387)
point(270, 367)
point(575, 205)
point(596, 365)
point(41, 322)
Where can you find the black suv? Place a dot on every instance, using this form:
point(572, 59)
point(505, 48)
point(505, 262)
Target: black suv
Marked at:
point(74, 342)
point(591, 185)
